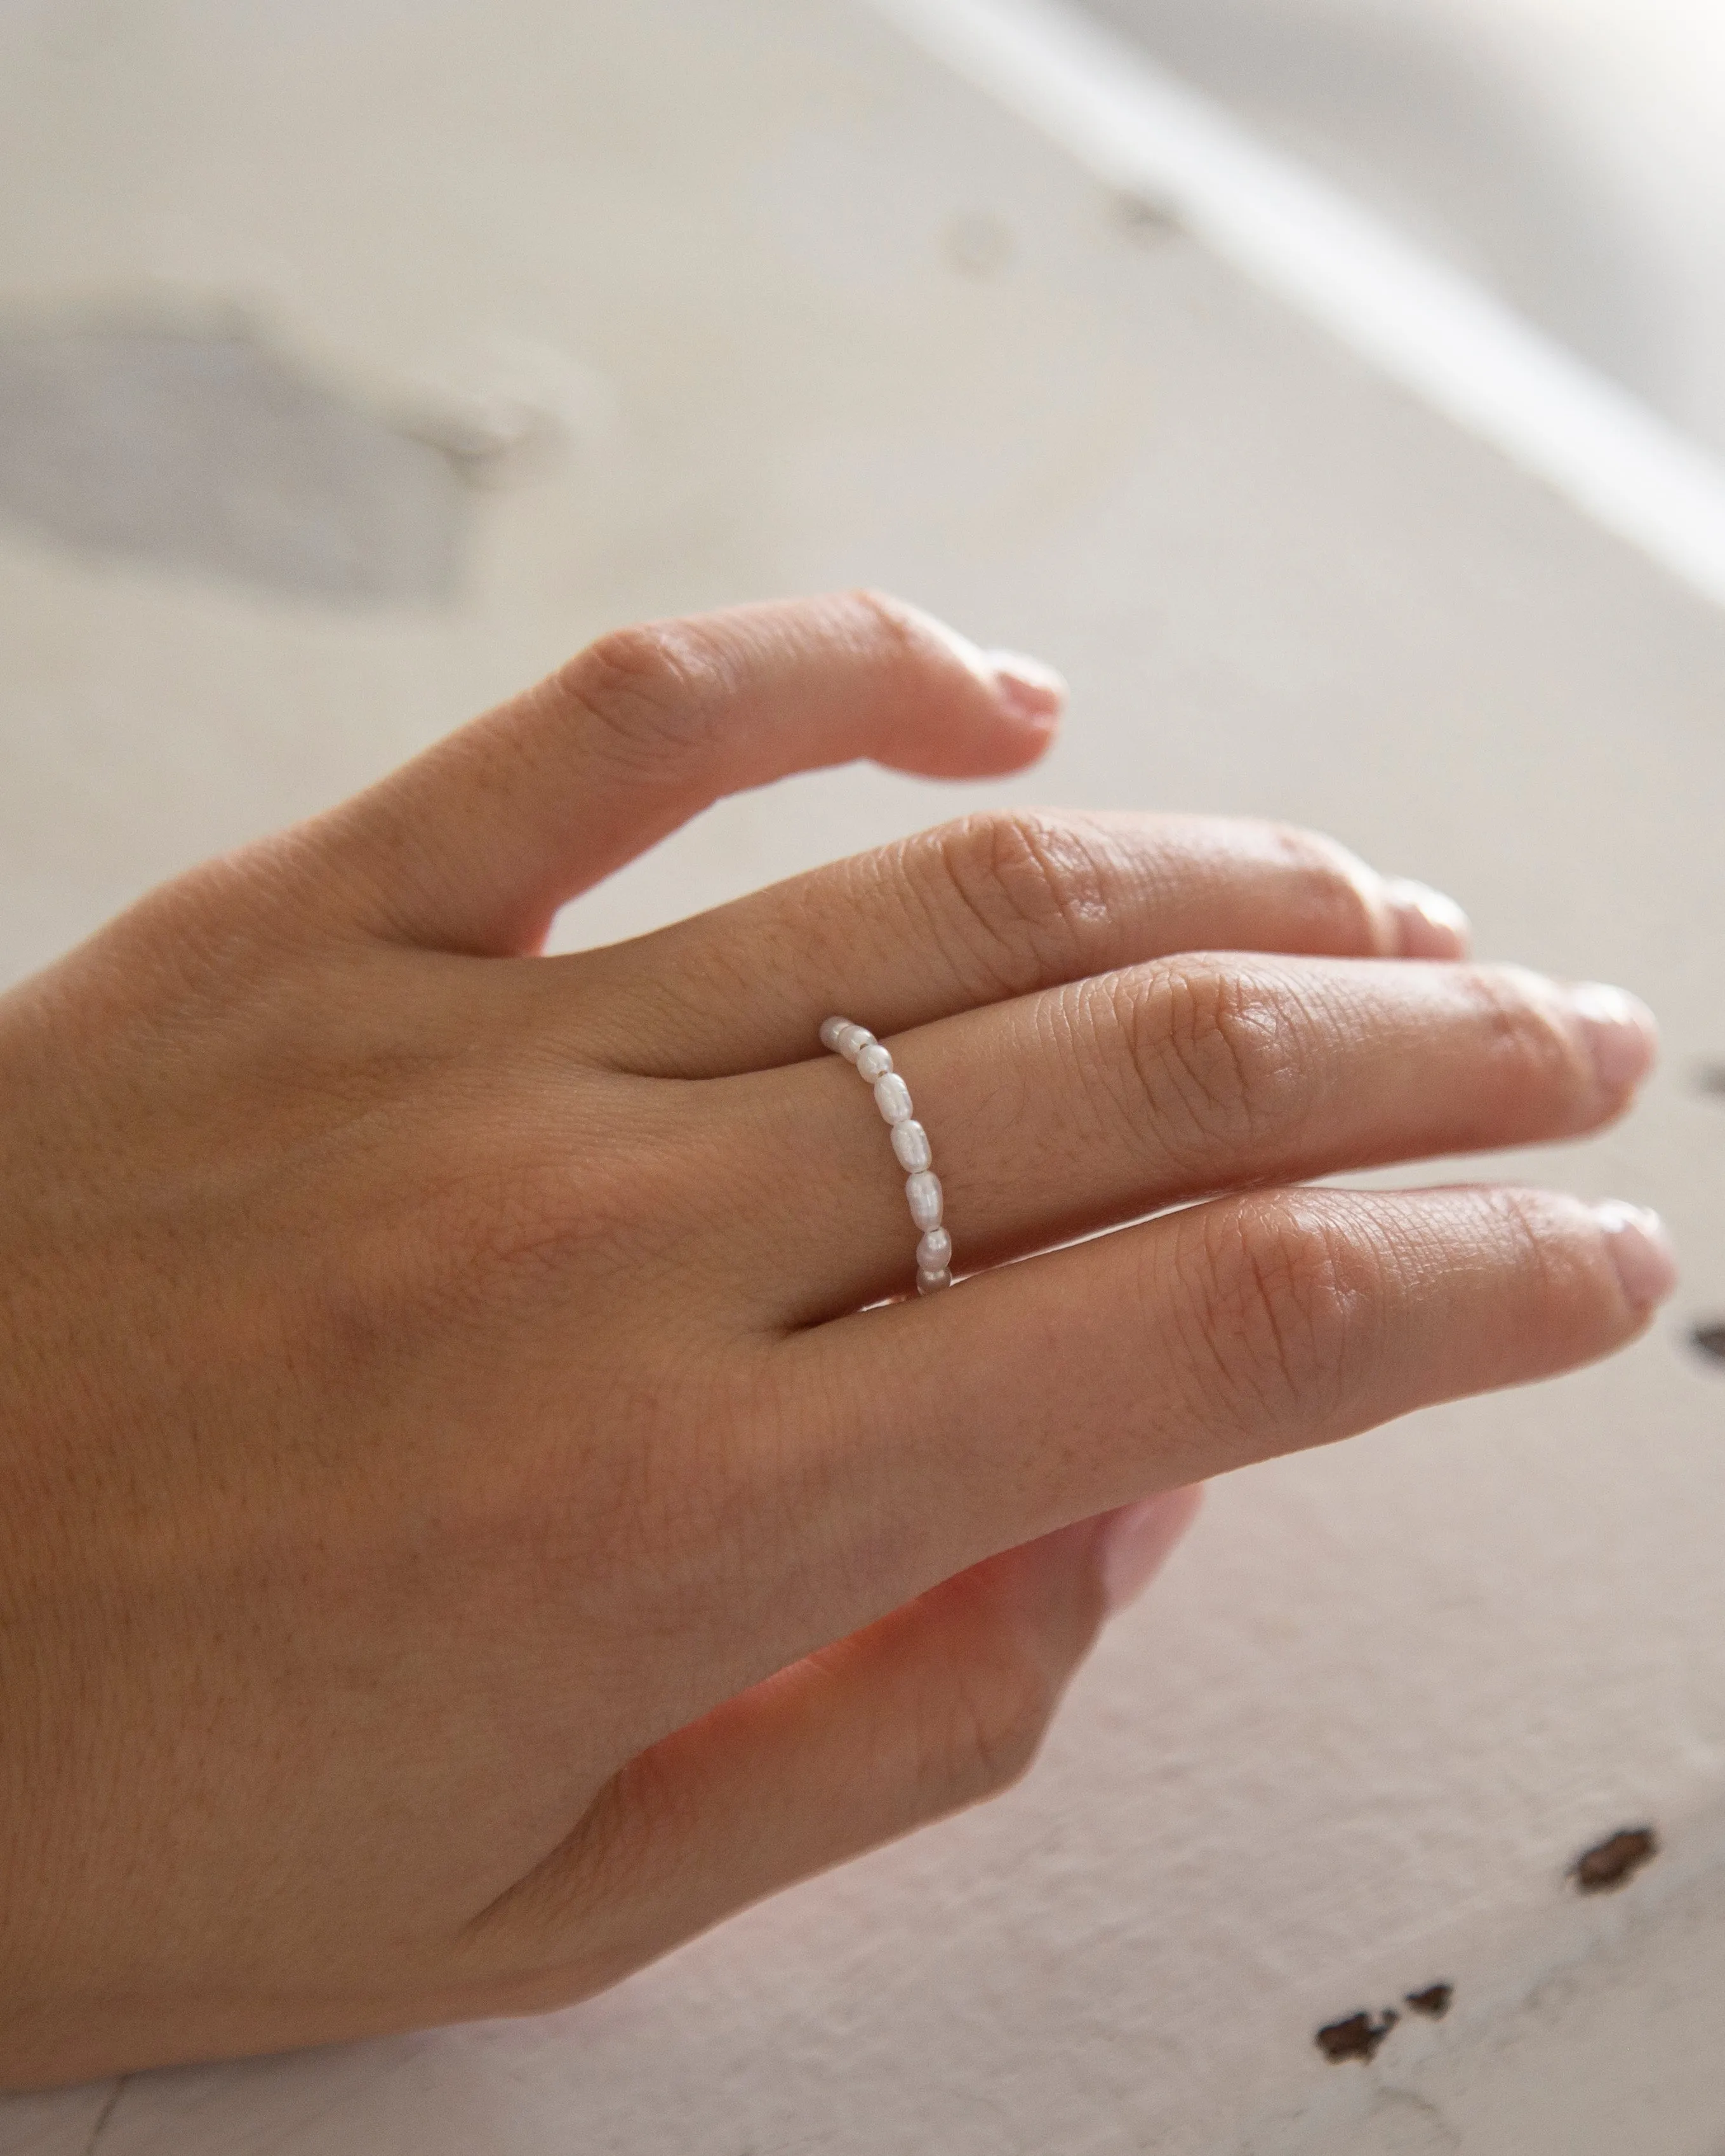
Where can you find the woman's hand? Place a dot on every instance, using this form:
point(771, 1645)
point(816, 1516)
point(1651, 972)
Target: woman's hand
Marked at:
point(463, 1529)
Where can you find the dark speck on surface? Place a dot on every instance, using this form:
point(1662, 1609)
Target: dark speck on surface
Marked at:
point(1143, 217)
point(1434, 2002)
point(1709, 1339)
point(1615, 1861)
point(1356, 2037)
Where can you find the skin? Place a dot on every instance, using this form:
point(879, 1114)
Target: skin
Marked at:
point(466, 1529)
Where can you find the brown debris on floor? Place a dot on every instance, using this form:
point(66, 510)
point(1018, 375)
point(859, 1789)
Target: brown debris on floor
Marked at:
point(1357, 2037)
point(1615, 1861)
point(1710, 1339)
point(1434, 2002)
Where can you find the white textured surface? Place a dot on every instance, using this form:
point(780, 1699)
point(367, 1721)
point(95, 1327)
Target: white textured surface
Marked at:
point(807, 311)
point(1405, 310)
point(1570, 154)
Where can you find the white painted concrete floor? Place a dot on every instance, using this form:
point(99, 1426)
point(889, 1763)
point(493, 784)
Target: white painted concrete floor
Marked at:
point(762, 301)
point(1568, 153)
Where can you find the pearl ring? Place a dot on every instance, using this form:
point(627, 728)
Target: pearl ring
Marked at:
point(910, 1143)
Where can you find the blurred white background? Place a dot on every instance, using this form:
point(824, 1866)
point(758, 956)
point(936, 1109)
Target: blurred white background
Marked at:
point(1568, 153)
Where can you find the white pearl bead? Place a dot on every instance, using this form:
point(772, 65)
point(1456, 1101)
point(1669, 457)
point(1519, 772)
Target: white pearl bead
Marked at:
point(911, 1145)
point(892, 1097)
point(910, 1142)
point(923, 1190)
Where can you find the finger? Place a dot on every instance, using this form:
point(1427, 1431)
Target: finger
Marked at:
point(937, 1431)
point(475, 844)
point(989, 907)
point(937, 1706)
point(1061, 1113)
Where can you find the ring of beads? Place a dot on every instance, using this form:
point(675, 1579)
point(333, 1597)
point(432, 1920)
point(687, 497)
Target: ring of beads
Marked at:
point(910, 1147)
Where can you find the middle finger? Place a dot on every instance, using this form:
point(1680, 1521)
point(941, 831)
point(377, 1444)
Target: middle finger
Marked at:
point(1082, 1107)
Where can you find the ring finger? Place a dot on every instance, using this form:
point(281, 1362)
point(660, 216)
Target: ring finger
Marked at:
point(1087, 1105)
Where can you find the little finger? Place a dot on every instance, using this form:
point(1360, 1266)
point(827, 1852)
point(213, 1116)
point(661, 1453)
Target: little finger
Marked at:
point(937, 1706)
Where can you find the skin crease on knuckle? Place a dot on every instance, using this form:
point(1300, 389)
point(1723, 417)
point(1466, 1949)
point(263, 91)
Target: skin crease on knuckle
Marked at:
point(926, 670)
point(1212, 1056)
point(401, 1437)
point(653, 691)
point(866, 618)
point(1029, 888)
point(1337, 893)
point(1282, 1322)
point(985, 1730)
point(1526, 1051)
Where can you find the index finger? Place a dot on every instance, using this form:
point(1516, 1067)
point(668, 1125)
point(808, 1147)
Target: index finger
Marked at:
point(474, 845)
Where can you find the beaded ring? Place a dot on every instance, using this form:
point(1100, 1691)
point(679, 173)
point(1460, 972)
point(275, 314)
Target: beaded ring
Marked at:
point(910, 1143)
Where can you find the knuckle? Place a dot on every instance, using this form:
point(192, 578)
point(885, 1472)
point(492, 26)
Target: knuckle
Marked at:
point(910, 642)
point(652, 688)
point(1281, 1323)
point(1028, 888)
point(1336, 892)
point(1535, 1262)
point(1526, 1044)
point(882, 617)
point(988, 1728)
point(1211, 1050)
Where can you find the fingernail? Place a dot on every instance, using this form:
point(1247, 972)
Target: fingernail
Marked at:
point(1028, 689)
point(1640, 1249)
point(1622, 1034)
point(1136, 1539)
point(1429, 924)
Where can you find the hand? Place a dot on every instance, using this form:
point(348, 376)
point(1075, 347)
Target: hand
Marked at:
point(464, 1527)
